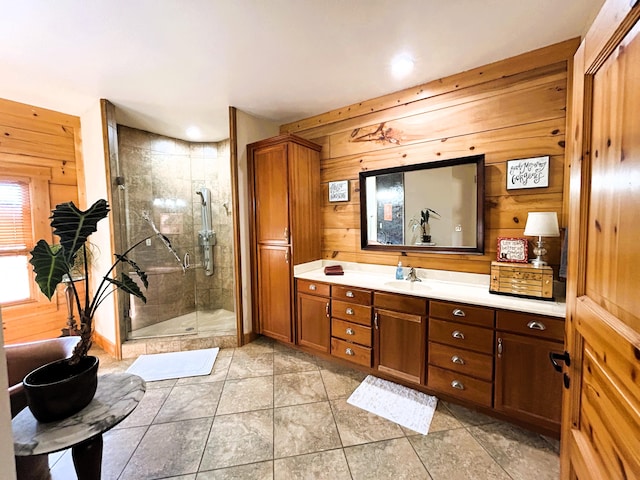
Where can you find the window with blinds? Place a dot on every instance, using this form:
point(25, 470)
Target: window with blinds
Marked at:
point(16, 241)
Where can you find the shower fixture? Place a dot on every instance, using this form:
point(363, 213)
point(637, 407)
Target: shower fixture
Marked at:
point(206, 236)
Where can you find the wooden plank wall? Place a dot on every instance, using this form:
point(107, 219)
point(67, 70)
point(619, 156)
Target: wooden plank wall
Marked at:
point(37, 137)
point(514, 108)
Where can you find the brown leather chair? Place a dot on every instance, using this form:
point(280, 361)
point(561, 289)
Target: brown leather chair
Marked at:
point(22, 358)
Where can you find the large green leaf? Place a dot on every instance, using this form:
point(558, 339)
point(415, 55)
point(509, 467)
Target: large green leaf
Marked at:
point(127, 284)
point(74, 226)
point(49, 265)
point(141, 273)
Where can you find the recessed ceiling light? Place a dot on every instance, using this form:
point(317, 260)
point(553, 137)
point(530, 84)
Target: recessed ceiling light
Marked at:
point(193, 133)
point(402, 65)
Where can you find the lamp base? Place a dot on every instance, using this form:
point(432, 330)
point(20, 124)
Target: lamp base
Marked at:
point(540, 252)
point(538, 262)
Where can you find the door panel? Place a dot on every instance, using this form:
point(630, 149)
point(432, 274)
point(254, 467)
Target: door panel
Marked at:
point(271, 191)
point(275, 292)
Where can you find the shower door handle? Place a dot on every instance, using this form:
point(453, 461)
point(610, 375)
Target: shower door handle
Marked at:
point(186, 263)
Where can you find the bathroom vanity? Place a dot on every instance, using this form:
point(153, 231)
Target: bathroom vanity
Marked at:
point(446, 335)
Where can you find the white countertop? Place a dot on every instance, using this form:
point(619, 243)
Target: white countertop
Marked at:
point(467, 288)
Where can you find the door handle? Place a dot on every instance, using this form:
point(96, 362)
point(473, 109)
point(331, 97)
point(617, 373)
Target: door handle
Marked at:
point(562, 357)
point(286, 256)
point(326, 309)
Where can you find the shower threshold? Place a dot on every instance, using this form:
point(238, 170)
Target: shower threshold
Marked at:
point(207, 323)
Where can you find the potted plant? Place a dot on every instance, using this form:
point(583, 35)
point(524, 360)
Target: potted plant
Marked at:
point(423, 223)
point(52, 391)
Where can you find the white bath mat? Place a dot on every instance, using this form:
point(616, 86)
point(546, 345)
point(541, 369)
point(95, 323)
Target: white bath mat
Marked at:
point(163, 366)
point(402, 405)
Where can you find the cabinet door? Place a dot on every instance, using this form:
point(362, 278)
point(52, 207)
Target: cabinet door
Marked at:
point(400, 344)
point(526, 385)
point(271, 194)
point(274, 292)
point(313, 322)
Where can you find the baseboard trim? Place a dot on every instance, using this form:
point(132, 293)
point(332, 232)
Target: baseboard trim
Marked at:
point(106, 345)
point(249, 337)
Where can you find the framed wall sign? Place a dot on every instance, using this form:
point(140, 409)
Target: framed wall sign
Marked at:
point(528, 173)
point(513, 250)
point(339, 191)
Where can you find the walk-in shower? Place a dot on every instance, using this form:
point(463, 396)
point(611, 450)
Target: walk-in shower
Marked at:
point(178, 189)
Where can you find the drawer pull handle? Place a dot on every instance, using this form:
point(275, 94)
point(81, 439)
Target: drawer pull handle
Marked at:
point(457, 359)
point(349, 331)
point(457, 384)
point(312, 287)
point(533, 325)
point(326, 309)
point(348, 351)
point(349, 294)
point(458, 334)
point(349, 311)
point(459, 313)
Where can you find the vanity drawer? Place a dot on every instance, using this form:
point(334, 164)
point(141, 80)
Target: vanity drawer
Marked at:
point(313, 288)
point(528, 324)
point(462, 313)
point(350, 351)
point(460, 386)
point(477, 365)
point(351, 332)
point(461, 335)
point(400, 303)
point(351, 312)
point(352, 295)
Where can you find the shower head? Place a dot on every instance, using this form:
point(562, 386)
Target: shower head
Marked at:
point(204, 195)
point(199, 192)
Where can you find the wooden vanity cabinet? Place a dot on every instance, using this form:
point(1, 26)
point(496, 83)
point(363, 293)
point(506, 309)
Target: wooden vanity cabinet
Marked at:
point(460, 351)
point(351, 324)
point(285, 200)
point(526, 385)
point(313, 305)
point(400, 331)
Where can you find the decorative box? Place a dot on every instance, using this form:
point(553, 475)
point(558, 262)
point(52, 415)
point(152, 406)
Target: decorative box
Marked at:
point(522, 280)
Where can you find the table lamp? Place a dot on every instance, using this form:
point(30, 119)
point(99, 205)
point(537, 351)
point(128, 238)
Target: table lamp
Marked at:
point(541, 224)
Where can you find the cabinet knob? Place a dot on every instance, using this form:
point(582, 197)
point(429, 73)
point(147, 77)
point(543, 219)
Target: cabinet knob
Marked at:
point(349, 311)
point(348, 351)
point(457, 334)
point(349, 331)
point(349, 294)
point(533, 325)
point(457, 359)
point(457, 384)
point(313, 287)
point(459, 313)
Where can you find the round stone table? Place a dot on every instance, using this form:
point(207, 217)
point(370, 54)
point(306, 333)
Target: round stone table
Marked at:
point(118, 394)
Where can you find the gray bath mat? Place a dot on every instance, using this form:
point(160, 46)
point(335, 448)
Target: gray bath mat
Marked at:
point(163, 366)
point(402, 405)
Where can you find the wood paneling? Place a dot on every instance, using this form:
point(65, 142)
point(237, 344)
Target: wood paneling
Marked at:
point(512, 109)
point(50, 141)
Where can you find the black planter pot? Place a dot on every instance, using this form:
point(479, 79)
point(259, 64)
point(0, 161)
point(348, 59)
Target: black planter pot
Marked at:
point(57, 390)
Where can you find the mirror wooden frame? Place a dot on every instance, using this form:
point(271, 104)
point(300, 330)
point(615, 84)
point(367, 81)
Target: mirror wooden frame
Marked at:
point(478, 160)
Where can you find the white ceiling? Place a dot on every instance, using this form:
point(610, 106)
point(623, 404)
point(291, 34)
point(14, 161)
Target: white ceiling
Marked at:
point(169, 64)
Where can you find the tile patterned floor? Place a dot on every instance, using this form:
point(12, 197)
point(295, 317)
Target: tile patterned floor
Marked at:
point(270, 412)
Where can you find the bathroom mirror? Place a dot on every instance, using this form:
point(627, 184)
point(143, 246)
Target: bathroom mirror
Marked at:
point(434, 206)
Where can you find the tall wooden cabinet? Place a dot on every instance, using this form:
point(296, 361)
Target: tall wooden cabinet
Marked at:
point(284, 173)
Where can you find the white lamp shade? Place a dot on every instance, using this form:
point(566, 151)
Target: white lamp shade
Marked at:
point(542, 224)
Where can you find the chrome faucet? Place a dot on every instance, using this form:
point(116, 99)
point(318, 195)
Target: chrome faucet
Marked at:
point(412, 277)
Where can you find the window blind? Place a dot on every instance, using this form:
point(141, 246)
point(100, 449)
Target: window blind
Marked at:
point(16, 230)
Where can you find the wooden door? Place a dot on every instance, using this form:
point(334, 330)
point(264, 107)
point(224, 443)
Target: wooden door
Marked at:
point(274, 292)
point(526, 385)
point(601, 409)
point(313, 322)
point(271, 194)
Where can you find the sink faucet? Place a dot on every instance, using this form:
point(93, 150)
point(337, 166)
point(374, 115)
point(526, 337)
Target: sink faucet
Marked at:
point(412, 277)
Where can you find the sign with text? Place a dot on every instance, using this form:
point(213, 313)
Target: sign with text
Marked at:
point(528, 173)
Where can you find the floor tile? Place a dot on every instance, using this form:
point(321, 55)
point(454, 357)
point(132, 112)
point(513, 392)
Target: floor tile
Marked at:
point(298, 388)
point(357, 426)
point(169, 449)
point(304, 429)
point(341, 382)
point(218, 373)
point(468, 417)
point(456, 455)
point(147, 409)
point(254, 471)
point(246, 394)
point(254, 365)
point(442, 420)
point(239, 439)
point(522, 454)
point(292, 361)
point(387, 459)
point(118, 448)
point(162, 383)
point(261, 345)
point(190, 401)
point(329, 465)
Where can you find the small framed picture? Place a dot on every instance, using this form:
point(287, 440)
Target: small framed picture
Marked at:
point(339, 191)
point(513, 250)
point(528, 173)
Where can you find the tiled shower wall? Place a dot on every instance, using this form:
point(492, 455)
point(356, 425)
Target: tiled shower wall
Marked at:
point(160, 175)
